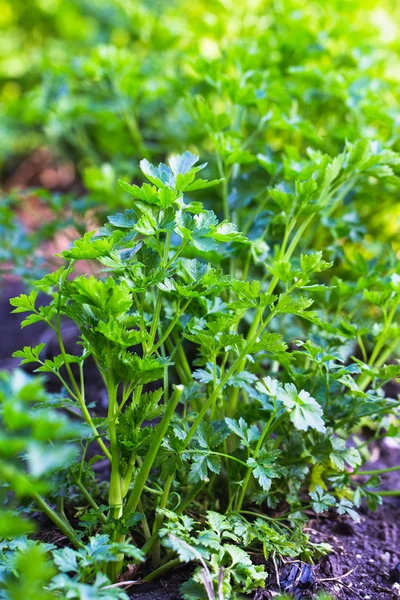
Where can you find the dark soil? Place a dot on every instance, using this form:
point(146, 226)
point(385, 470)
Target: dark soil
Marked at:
point(364, 563)
point(165, 589)
point(364, 554)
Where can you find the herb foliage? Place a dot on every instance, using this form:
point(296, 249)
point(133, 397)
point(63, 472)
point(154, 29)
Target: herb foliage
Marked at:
point(242, 313)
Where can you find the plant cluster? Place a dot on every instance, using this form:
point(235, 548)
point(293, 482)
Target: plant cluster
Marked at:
point(254, 393)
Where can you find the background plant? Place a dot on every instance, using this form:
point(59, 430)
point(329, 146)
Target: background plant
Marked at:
point(248, 90)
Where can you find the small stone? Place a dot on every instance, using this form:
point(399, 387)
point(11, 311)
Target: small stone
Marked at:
point(358, 555)
point(385, 558)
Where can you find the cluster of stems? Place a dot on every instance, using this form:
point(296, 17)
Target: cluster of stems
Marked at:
point(126, 490)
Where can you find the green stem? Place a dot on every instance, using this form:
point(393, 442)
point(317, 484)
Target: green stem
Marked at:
point(158, 437)
point(170, 327)
point(285, 255)
point(177, 253)
point(236, 364)
point(382, 338)
point(191, 496)
point(61, 511)
point(296, 239)
point(65, 528)
point(154, 324)
point(159, 519)
point(115, 491)
point(163, 569)
point(227, 456)
point(265, 517)
point(376, 411)
point(164, 502)
point(388, 493)
point(379, 471)
point(255, 455)
point(144, 523)
point(78, 393)
point(150, 543)
point(179, 510)
point(90, 499)
point(365, 379)
point(127, 391)
point(224, 182)
point(157, 310)
point(128, 475)
point(183, 361)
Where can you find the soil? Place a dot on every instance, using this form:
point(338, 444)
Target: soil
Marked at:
point(364, 563)
point(165, 589)
point(365, 555)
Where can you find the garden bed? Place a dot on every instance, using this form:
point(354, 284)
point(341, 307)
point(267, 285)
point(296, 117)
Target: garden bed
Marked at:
point(199, 380)
point(364, 562)
point(362, 565)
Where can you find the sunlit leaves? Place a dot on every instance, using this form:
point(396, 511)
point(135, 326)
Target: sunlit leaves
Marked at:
point(178, 175)
point(204, 231)
point(313, 263)
point(53, 280)
point(177, 281)
point(167, 291)
point(182, 163)
point(269, 386)
point(117, 333)
point(124, 220)
point(104, 297)
point(28, 354)
point(342, 455)
point(132, 368)
point(24, 303)
point(304, 410)
point(89, 247)
point(270, 342)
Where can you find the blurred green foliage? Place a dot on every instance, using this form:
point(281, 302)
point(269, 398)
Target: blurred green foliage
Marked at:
point(105, 83)
point(250, 86)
